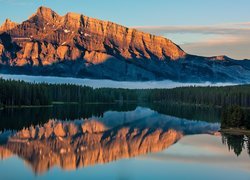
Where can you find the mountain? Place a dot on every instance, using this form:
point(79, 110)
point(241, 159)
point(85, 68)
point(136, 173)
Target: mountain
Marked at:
point(7, 25)
point(75, 45)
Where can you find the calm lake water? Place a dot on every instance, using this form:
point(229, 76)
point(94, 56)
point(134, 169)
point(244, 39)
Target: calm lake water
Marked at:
point(131, 141)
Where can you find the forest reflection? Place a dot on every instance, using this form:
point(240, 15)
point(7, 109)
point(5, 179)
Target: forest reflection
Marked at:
point(236, 143)
point(17, 118)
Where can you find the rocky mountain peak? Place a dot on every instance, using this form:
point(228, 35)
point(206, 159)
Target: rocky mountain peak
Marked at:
point(74, 36)
point(72, 20)
point(72, 15)
point(7, 25)
point(8, 21)
point(46, 13)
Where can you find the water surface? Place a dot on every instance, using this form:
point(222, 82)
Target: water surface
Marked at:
point(119, 141)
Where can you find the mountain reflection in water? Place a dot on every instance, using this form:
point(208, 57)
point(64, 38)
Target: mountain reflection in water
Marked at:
point(97, 140)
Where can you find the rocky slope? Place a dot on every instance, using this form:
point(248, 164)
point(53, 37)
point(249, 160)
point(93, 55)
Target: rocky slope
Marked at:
point(79, 46)
point(7, 25)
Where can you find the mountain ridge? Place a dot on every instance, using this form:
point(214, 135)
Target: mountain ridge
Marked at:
point(79, 46)
point(7, 25)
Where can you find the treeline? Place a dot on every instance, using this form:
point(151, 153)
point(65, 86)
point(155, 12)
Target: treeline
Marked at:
point(20, 93)
point(17, 93)
point(235, 117)
point(211, 96)
point(14, 93)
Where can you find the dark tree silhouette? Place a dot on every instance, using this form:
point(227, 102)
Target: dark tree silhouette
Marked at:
point(236, 143)
point(234, 117)
point(22, 93)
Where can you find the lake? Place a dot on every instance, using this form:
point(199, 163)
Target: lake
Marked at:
point(119, 141)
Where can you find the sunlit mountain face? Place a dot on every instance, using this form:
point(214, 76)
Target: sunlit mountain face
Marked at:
point(75, 45)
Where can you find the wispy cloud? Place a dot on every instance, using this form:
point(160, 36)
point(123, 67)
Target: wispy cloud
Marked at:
point(230, 28)
point(232, 39)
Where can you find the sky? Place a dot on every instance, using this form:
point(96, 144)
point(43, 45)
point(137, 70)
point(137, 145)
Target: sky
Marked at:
point(202, 27)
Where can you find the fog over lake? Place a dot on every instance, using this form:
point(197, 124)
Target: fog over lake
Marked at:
point(104, 83)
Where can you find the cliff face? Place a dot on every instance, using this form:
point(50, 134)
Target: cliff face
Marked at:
point(73, 145)
point(80, 46)
point(46, 38)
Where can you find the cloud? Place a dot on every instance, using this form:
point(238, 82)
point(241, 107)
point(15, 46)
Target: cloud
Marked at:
point(237, 50)
point(231, 39)
point(233, 28)
point(195, 29)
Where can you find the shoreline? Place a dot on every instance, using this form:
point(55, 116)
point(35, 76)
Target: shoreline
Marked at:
point(197, 105)
point(52, 105)
point(235, 131)
point(24, 106)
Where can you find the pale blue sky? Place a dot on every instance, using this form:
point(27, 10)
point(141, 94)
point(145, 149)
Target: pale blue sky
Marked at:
point(151, 13)
point(138, 12)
